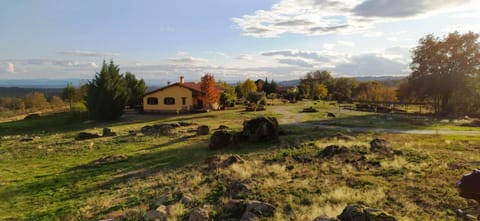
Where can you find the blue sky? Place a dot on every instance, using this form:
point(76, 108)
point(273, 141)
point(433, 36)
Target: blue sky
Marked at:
point(234, 40)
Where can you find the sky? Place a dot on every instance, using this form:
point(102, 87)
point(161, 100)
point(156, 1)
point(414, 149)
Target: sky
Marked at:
point(233, 40)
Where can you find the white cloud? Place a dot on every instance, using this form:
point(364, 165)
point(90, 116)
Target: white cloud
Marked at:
point(187, 59)
point(88, 53)
point(298, 54)
point(346, 43)
point(319, 17)
point(10, 68)
point(329, 46)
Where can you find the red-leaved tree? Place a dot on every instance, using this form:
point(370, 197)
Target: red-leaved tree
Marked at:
point(208, 86)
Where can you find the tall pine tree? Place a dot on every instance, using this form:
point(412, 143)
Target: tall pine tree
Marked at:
point(107, 94)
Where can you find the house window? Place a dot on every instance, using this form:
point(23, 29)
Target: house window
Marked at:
point(184, 100)
point(152, 100)
point(169, 101)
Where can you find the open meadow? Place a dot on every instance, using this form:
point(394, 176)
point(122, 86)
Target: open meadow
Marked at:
point(48, 175)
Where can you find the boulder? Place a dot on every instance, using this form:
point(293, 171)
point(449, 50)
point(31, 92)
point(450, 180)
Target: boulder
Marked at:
point(380, 145)
point(187, 199)
point(258, 209)
point(239, 137)
point(239, 188)
point(261, 129)
point(26, 139)
point(158, 129)
point(355, 212)
point(107, 132)
point(199, 214)
point(332, 150)
point(86, 136)
point(203, 130)
point(160, 213)
point(220, 139)
point(468, 186)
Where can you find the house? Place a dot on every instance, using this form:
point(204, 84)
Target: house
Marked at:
point(178, 97)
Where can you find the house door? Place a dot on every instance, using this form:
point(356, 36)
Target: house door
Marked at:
point(199, 104)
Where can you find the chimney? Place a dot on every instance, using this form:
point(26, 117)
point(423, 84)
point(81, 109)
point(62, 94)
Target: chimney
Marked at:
point(182, 80)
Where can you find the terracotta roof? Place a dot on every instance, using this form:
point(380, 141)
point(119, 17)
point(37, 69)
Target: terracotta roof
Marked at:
point(189, 85)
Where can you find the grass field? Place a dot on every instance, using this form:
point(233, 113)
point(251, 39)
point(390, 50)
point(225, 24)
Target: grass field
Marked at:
point(51, 177)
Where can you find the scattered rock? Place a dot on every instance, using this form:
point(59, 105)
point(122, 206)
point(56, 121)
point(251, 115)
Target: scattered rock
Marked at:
point(132, 133)
point(261, 129)
point(107, 132)
point(32, 116)
point(162, 200)
point(220, 139)
point(203, 130)
point(340, 136)
point(332, 150)
point(355, 212)
point(86, 136)
point(199, 214)
point(231, 160)
point(309, 110)
point(380, 145)
point(331, 115)
point(160, 213)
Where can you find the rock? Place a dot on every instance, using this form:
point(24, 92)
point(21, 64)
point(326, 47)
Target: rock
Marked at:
point(26, 139)
point(199, 214)
point(203, 130)
point(309, 110)
point(132, 133)
point(340, 136)
point(158, 129)
point(261, 129)
point(379, 145)
point(186, 124)
point(249, 216)
point(107, 132)
point(235, 206)
point(160, 213)
point(162, 200)
point(222, 127)
point(355, 212)
point(231, 160)
point(32, 116)
point(468, 186)
point(239, 137)
point(331, 115)
point(86, 136)
point(332, 150)
point(220, 139)
point(258, 209)
point(324, 218)
point(239, 188)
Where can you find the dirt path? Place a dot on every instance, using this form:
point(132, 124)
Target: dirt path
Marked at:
point(288, 117)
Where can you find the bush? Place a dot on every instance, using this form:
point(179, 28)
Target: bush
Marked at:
point(79, 110)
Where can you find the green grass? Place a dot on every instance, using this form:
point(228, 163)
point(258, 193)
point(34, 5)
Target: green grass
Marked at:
point(49, 178)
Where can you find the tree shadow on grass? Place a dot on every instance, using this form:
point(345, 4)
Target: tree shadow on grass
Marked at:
point(386, 121)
